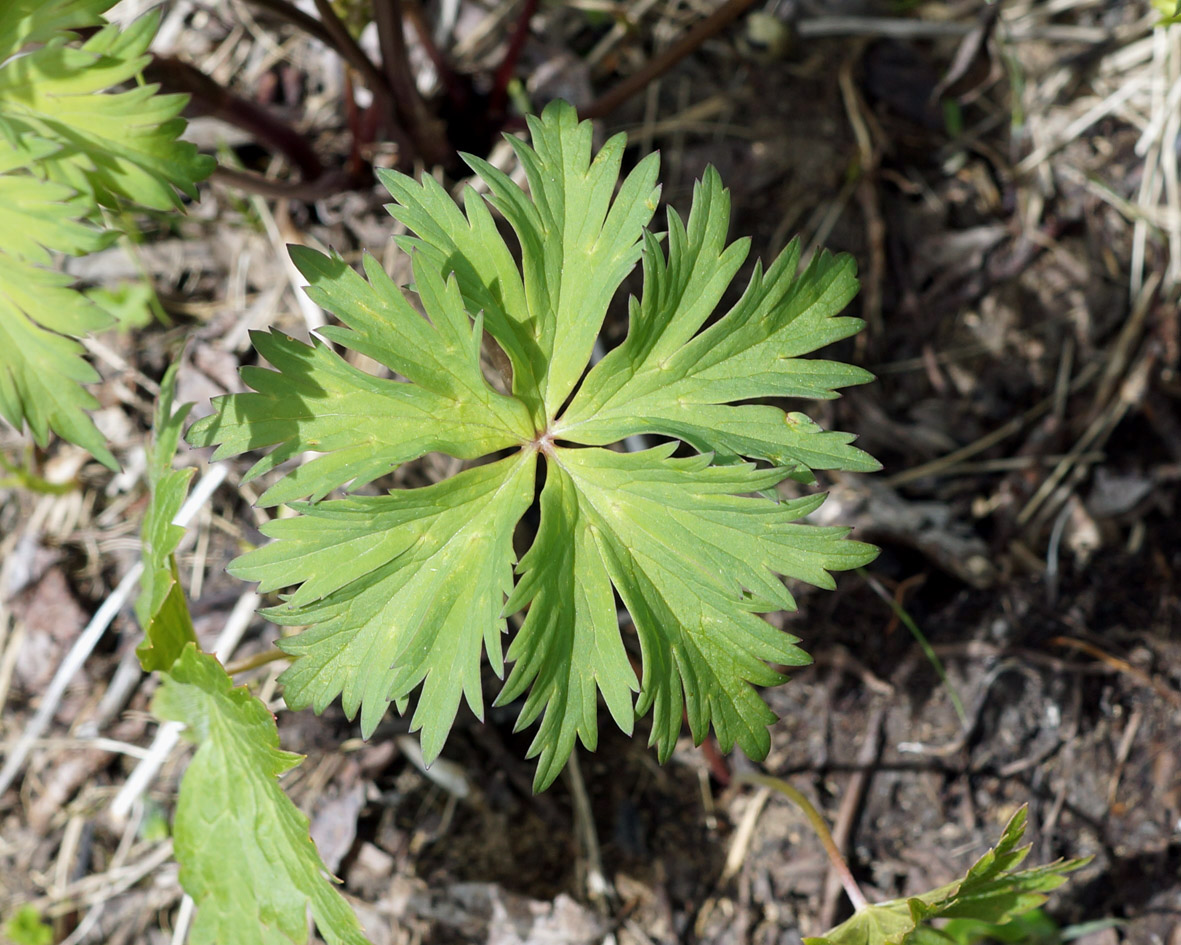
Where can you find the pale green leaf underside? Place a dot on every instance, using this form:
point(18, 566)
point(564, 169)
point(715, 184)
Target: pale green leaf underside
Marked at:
point(406, 590)
point(245, 854)
point(994, 891)
point(67, 147)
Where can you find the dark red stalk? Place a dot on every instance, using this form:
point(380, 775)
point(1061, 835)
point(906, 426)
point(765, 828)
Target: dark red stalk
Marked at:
point(209, 98)
point(426, 132)
point(498, 100)
point(656, 67)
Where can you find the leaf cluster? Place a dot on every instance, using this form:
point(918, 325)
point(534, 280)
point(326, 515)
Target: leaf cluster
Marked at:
point(407, 591)
point(71, 148)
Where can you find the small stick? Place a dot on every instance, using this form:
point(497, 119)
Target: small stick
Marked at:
point(851, 804)
point(659, 65)
point(90, 636)
point(1123, 666)
point(1003, 432)
point(816, 822)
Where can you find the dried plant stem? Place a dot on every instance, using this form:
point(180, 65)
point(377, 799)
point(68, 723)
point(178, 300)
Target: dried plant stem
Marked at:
point(659, 65)
point(297, 17)
point(212, 99)
point(816, 822)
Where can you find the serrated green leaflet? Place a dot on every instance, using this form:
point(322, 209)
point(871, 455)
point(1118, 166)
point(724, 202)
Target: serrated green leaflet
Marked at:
point(577, 247)
point(68, 146)
point(694, 558)
point(670, 377)
point(28, 22)
point(245, 854)
point(407, 589)
point(366, 426)
point(994, 891)
point(402, 590)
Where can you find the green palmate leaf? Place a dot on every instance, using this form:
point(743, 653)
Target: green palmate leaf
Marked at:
point(994, 891)
point(408, 589)
point(244, 851)
point(67, 148)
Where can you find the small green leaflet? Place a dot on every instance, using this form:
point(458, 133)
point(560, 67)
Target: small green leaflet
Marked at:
point(407, 591)
point(245, 853)
point(161, 607)
point(994, 891)
point(68, 147)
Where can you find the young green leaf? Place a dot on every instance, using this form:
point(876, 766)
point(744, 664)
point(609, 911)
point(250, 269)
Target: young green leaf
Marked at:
point(68, 146)
point(244, 851)
point(994, 890)
point(408, 588)
point(161, 608)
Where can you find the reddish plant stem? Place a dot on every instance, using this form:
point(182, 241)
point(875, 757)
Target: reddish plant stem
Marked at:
point(498, 100)
point(656, 67)
point(413, 12)
point(209, 98)
point(296, 17)
point(425, 131)
point(351, 52)
point(457, 88)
